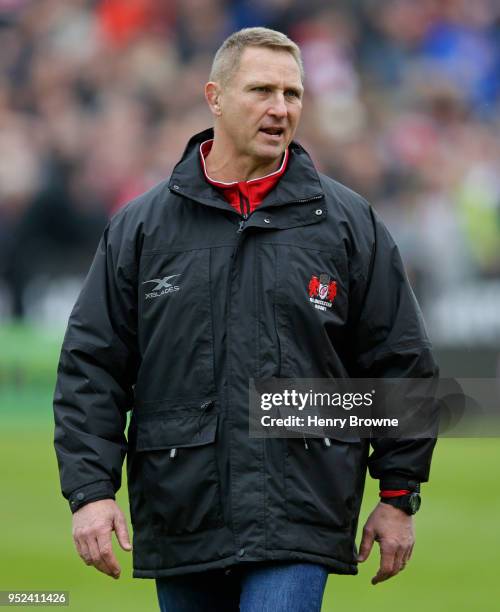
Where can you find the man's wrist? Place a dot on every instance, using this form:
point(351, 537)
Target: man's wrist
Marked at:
point(408, 503)
point(400, 493)
point(95, 491)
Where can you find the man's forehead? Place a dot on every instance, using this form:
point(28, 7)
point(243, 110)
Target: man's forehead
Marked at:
point(268, 65)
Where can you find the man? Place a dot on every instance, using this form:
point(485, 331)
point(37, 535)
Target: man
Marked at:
point(199, 285)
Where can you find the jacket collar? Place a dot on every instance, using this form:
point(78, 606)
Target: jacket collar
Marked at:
point(300, 182)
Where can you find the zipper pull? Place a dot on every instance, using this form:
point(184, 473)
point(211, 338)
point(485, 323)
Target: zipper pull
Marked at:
point(241, 224)
point(173, 453)
point(326, 442)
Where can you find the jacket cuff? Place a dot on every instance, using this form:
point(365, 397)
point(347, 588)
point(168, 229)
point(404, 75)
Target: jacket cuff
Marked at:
point(102, 489)
point(396, 483)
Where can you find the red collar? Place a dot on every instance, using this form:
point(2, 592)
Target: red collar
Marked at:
point(244, 196)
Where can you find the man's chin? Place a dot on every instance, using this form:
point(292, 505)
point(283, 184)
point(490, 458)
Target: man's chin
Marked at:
point(269, 153)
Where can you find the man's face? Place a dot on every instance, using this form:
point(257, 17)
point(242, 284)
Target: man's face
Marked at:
point(261, 104)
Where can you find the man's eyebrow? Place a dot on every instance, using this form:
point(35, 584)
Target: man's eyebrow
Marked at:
point(260, 84)
point(297, 90)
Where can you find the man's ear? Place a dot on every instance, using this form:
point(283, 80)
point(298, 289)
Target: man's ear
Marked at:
point(212, 96)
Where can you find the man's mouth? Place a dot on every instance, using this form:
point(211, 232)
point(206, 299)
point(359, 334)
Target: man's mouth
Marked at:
point(273, 131)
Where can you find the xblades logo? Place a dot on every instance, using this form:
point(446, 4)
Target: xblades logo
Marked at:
point(162, 286)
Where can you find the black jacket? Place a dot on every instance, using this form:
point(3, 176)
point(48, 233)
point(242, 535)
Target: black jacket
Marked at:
point(184, 302)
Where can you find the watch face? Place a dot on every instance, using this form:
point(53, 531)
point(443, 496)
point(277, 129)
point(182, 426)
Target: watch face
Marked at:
point(414, 502)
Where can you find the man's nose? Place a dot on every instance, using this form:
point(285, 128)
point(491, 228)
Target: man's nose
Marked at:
point(278, 107)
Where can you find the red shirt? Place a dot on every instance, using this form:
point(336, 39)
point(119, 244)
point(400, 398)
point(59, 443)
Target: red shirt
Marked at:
point(244, 196)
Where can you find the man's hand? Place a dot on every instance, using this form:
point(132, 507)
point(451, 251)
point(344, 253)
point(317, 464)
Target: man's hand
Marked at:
point(92, 527)
point(393, 529)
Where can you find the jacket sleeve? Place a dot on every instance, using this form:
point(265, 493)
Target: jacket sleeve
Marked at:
point(391, 342)
point(95, 378)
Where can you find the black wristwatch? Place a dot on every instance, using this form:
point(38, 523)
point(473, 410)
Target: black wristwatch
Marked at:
point(409, 503)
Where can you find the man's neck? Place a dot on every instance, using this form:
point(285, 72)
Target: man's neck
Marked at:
point(222, 165)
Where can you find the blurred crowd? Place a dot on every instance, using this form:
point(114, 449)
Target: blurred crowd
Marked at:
point(98, 98)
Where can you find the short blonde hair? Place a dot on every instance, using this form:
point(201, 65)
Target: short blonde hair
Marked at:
point(227, 58)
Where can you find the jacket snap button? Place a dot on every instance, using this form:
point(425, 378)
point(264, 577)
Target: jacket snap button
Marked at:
point(176, 186)
point(267, 220)
point(241, 552)
point(80, 496)
point(318, 212)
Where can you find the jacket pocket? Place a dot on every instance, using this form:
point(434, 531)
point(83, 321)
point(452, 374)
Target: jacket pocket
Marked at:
point(323, 478)
point(177, 470)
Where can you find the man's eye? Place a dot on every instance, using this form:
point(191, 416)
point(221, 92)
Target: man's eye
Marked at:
point(261, 88)
point(291, 94)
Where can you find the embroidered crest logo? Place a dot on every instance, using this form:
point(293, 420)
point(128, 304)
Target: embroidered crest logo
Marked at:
point(322, 291)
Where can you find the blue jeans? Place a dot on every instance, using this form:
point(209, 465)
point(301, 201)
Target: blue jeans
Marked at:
point(278, 587)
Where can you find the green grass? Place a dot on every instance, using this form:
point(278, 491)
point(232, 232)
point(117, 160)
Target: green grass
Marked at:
point(454, 568)
point(28, 355)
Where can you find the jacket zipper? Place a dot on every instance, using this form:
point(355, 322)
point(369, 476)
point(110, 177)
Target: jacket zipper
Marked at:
point(229, 291)
point(244, 205)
